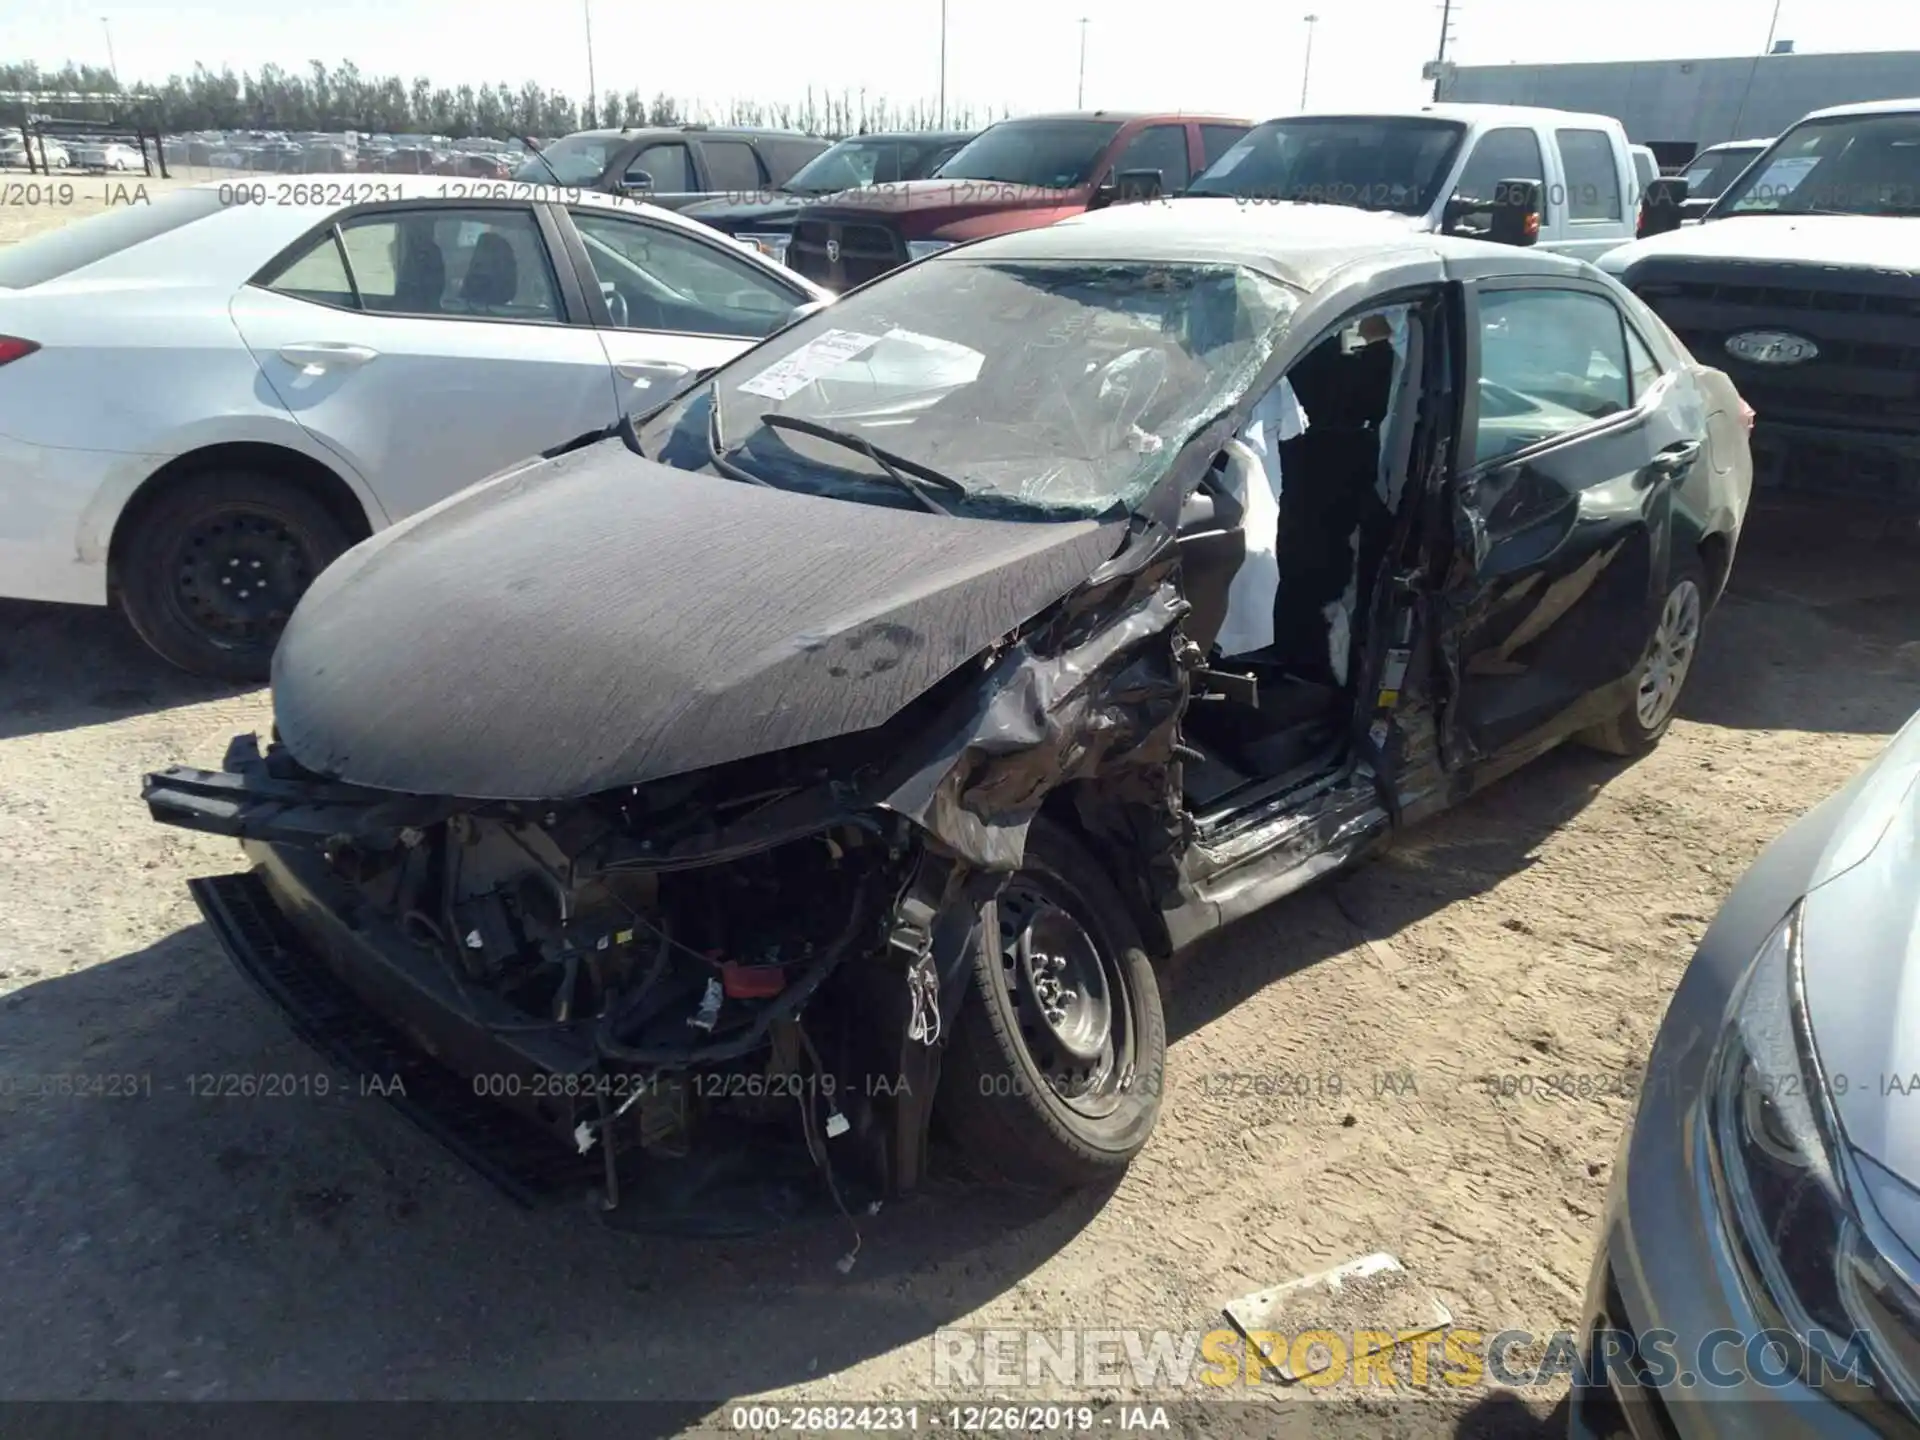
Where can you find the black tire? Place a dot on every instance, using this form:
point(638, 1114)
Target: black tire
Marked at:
point(175, 586)
point(1633, 732)
point(996, 1098)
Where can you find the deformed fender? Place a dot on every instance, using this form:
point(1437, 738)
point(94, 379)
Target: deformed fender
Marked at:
point(1093, 690)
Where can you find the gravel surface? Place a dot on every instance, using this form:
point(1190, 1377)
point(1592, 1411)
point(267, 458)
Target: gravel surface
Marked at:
point(175, 1245)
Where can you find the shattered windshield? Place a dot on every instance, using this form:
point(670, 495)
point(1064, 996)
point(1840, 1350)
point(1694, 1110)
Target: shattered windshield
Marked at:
point(1369, 162)
point(1849, 165)
point(1061, 388)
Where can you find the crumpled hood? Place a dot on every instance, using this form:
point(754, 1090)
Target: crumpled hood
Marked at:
point(598, 620)
point(1862, 958)
point(954, 199)
point(1852, 241)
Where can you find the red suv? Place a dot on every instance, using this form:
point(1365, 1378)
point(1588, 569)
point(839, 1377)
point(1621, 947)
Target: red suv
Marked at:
point(1017, 175)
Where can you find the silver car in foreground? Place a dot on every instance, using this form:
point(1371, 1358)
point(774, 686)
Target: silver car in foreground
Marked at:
point(1759, 1272)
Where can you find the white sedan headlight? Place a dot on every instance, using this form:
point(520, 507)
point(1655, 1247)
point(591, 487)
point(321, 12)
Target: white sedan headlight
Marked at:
point(920, 249)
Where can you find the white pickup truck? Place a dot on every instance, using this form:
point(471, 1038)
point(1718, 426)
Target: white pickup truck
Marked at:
point(1444, 167)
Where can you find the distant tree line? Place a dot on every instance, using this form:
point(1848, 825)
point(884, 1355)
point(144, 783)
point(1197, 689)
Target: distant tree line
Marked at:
point(343, 99)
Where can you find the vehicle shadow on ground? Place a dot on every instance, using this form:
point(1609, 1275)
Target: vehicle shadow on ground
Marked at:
point(351, 1257)
point(63, 666)
point(1810, 595)
point(1464, 853)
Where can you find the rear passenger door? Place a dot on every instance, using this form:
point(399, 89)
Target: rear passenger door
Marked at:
point(1572, 445)
point(429, 345)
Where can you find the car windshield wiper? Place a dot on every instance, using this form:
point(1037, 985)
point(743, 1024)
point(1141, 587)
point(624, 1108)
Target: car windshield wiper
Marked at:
point(900, 470)
point(717, 444)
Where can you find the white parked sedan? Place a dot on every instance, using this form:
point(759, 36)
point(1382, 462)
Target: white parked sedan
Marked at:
point(205, 399)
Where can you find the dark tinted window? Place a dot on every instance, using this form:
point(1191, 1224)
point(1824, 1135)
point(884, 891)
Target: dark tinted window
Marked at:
point(1216, 140)
point(1512, 153)
point(576, 160)
point(1710, 172)
point(1158, 147)
point(1372, 162)
point(1057, 153)
point(62, 251)
point(669, 165)
point(1593, 184)
point(1551, 361)
point(1856, 164)
point(730, 166)
point(931, 161)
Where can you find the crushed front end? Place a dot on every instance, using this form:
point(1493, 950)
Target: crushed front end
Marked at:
point(704, 994)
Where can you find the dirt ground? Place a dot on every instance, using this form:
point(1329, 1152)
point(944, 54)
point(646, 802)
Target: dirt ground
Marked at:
point(171, 1245)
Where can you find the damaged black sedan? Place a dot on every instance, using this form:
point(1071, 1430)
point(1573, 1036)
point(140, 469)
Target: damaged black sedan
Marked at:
point(828, 758)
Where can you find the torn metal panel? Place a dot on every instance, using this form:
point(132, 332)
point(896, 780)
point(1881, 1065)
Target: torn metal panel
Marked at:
point(1096, 689)
point(1370, 1301)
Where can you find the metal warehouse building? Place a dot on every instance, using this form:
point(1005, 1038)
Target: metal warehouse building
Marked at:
point(1676, 106)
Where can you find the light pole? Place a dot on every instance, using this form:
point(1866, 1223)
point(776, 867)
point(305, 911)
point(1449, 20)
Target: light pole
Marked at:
point(1306, 69)
point(112, 64)
point(1080, 95)
point(1772, 26)
point(593, 107)
point(943, 64)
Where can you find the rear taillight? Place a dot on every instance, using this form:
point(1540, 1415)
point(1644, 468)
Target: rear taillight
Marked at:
point(12, 348)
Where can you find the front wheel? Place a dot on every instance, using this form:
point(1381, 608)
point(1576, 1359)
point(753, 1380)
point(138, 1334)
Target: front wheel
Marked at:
point(1054, 1073)
point(1663, 669)
point(216, 565)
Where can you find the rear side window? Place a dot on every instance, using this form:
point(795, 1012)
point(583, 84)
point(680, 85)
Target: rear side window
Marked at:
point(732, 165)
point(85, 242)
point(1216, 140)
point(1593, 185)
point(469, 264)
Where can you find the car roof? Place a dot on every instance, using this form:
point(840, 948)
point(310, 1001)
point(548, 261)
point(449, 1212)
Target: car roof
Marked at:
point(1123, 117)
point(1466, 114)
point(1300, 245)
point(1867, 107)
point(692, 128)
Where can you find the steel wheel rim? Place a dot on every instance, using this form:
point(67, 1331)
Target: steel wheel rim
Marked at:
point(237, 575)
point(1072, 1000)
point(1675, 641)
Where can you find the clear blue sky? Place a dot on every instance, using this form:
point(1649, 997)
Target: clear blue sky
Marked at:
point(1236, 58)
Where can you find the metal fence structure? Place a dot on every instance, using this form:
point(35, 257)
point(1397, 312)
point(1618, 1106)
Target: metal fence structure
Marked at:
point(37, 126)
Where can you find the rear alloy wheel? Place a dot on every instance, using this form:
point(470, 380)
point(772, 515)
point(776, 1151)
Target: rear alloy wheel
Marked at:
point(1663, 670)
point(216, 565)
point(1054, 1073)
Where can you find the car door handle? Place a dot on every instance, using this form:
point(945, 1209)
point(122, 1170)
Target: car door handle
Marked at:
point(316, 357)
point(1675, 458)
point(644, 373)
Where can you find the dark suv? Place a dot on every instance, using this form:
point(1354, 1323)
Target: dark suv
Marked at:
point(673, 165)
point(764, 218)
point(1017, 175)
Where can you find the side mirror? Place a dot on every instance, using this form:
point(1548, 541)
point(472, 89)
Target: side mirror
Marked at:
point(1516, 213)
point(1134, 185)
point(1104, 193)
point(636, 182)
point(1660, 207)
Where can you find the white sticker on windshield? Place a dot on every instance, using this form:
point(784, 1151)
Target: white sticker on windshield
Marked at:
point(818, 357)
